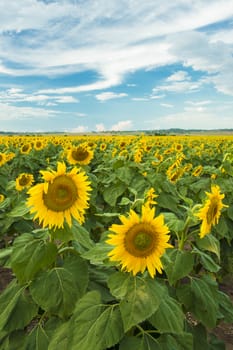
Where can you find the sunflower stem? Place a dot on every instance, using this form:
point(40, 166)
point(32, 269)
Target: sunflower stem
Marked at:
point(184, 234)
point(67, 249)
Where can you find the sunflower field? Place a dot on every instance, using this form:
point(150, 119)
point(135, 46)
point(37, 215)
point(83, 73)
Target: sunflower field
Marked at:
point(115, 242)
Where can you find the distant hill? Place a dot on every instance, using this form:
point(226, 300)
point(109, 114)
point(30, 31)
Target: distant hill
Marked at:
point(172, 131)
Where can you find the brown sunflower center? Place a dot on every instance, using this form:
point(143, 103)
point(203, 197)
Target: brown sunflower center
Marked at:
point(61, 195)
point(212, 212)
point(79, 154)
point(140, 240)
point(24, 180)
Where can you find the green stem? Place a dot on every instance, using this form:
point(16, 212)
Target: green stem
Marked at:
point(184, 234)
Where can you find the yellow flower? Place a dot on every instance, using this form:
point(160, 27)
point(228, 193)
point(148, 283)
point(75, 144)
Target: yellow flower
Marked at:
point(62, 196)
point(197, 171)
point(81, 155)
point(139, 242)
point(211, 211)
point(2, 197)
point(26, 148)
point(3, 158)
point(150, 196)
point(24, 180)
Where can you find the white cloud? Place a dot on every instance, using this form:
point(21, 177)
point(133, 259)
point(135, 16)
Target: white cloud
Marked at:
point(100, 127)
point(199, 103)
point(122, 125)
point(179, 76)
point(79, 129)
point(104, 96)
point(166, 105)
point(8, 112)
point(178, 82)
point(140, 99)
point(14, 95)
point(111, 38)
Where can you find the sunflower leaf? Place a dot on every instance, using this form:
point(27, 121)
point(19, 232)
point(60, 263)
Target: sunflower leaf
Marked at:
point(176, 341)
point(94, 325)
point(177, 264)
point(140, 297)
point(209, 243)
point(169, 317)
point(146, 342)
point(17, 308)
point(57, 290)
point(30, 255)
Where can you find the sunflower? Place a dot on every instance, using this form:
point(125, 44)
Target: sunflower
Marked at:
point(139, 241)
point(3, 158)
point(26, 148)
point(81, 155)
point(62, 196)
point(197, 171)
point(211, 211)
point(150, 196)
point(24, 180)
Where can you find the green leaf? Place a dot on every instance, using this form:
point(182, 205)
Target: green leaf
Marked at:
point(230, 212)
point(176, 341)
point(177, 264)
point(140, 297)
point(125, 174)
point(226, 307)
point(201, 298)
point(37, 340)
point(125, 201)
point(19, 210)
point(57, 290)
point(169, 318)
point(95, 326)
point(199, 336)
point(210, 243)
point(146, 342)
point(16, 308)
point(173, 222)
point(4, 253)
point(82, 236)
point(207, 262)
point(168, 201)
point(15, 341)
point(61, 337)
point(4, 204)
point(112, 193)
point(31, 255)
point(98, 253)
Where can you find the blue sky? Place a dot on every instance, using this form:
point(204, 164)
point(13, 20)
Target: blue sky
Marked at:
point(97, 65)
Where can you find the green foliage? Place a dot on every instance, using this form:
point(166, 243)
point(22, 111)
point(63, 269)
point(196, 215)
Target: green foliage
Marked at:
point(67, 294)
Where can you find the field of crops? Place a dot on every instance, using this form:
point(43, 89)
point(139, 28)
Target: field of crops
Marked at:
point(115, 242)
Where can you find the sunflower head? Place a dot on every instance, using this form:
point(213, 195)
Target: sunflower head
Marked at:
point(3, 158)
point(24, 180)
point(139, 242)
point(81, 154)
point(63, 195)
point(26, 148)
point(211, 211)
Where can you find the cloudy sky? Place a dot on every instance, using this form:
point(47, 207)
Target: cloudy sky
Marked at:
point(95, 65)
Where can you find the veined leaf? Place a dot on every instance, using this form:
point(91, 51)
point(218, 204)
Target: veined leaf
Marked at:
point(57, 290)
point(140, 297)
point(177, 264)
point(30, 255)
point(169, 317)
point(94, 325)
